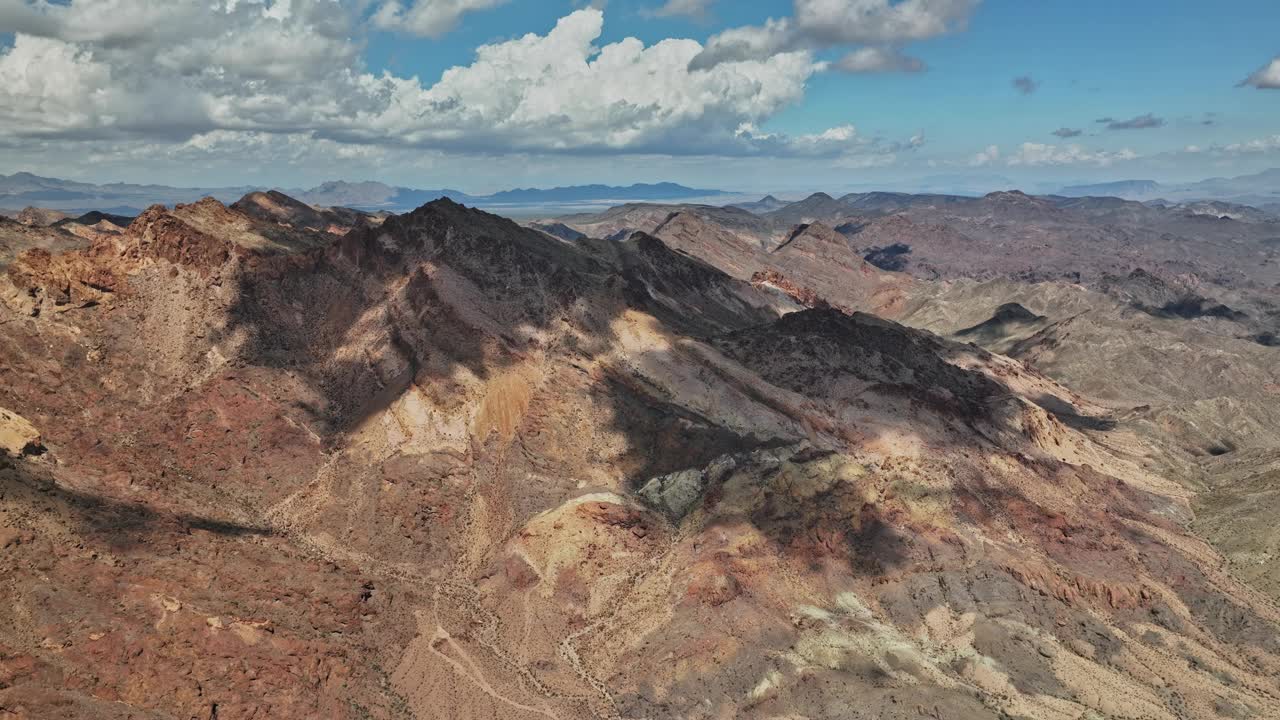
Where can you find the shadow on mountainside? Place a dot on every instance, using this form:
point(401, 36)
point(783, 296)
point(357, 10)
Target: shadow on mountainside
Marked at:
point(437, 290)
point(447, 289)
point(121, 524)
point(446, 300)
point(444, 296)
point(1071, 417)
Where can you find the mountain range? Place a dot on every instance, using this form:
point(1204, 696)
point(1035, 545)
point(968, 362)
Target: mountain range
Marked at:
point(25, 189)
point(1259, 189)
point(870, 456)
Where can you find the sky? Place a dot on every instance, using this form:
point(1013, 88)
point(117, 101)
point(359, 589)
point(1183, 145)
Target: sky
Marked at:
point(768, 96)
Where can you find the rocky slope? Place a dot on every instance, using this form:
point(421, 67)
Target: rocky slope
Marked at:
point(1199, 386)
point(1176, 335)
point(41, 217)
point(621, 221)
point(450, 467)
point(274, 206)
point(16, 238)
point(1003, 234)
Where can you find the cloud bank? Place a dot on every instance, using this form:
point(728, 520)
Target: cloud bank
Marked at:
point(115, 70)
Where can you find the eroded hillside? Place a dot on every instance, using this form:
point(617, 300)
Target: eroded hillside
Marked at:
point(448, 467)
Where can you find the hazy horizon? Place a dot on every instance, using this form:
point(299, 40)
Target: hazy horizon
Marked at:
point(727, 193)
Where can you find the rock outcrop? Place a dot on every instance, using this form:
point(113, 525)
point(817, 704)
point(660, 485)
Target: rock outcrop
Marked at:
point(18, 437)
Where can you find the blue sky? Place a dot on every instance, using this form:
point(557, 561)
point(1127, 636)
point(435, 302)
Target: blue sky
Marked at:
point(295, 92)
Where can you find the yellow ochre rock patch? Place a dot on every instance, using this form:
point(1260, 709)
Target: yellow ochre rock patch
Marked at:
point(17, 436)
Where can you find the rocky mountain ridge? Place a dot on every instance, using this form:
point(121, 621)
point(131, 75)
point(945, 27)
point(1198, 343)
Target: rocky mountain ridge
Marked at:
point(448, 466)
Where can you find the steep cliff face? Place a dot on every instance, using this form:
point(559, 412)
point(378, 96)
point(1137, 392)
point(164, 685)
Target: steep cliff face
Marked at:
point(451, 467)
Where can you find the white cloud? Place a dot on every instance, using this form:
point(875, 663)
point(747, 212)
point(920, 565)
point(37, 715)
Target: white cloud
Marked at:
point(1257, 146)
point(821, 24)
point(1266, 77)
point(49, 87)
point(186, 36)
point(1038, 154)
point(117, 69)
point(428, 18)
point(560, 92)
point(831, 142)
point(986, 157)
point(1261, 145)
point(843, 145)
point(687, 8)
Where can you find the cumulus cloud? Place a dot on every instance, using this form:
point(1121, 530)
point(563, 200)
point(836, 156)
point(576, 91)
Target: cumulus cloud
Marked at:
point(1266, 77)
point(987, 157)
point(822, 24)
point(1067, 132)
point(560, 92)
point(117, 67)
point(1261, 145)
point(428, 18)
point(1141, 122)
point(281, 37)
point(134, 69)
point(1025, 84)
point(686, 8)
point(1038, 154)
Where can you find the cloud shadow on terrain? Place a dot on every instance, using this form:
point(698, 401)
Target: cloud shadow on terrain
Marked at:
point(363, 319)
point(384, 310)
point(1071, 417)
point(378, 313)
point(121, 524)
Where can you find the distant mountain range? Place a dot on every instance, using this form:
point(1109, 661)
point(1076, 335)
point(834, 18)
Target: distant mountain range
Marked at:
point(25, 189)
point(377, 196)
point(1126, 189)
point(1260, 190)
